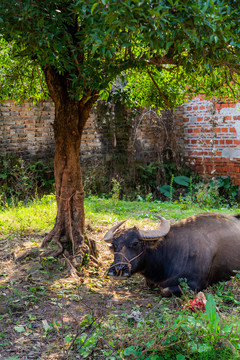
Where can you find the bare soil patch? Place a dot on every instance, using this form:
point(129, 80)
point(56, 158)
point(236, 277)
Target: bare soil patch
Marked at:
point(41, 302)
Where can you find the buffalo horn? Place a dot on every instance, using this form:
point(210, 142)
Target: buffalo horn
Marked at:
point(149, 235)
point(109, 235)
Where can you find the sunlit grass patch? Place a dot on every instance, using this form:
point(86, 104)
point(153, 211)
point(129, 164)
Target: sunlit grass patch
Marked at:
point(39, 215)
point(106, 211)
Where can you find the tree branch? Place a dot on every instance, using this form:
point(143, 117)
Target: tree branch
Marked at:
point(159, 90)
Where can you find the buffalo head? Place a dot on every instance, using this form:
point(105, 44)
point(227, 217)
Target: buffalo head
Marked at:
point(129, 247)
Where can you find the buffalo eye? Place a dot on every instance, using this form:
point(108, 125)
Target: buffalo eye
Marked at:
point(112, 248)
point(134, 244)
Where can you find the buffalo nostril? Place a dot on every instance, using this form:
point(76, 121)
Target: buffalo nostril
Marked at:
point(111, 272)
point(119, 272)
point(125, 273)
point(122, 271)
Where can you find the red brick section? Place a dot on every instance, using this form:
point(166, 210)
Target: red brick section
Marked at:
point(219, 167)
point(212, 138)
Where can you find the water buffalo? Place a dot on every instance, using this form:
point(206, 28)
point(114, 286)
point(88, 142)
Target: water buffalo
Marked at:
point(203, 249)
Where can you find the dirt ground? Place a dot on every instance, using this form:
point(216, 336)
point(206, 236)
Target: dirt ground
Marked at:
point(41, 302)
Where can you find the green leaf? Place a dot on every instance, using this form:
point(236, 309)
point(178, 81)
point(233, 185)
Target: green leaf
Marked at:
point(32, 317)
point(129, 351)
point(211, 311)
point(182, 180)
point(94, 7)
point(19, 328)
point(166, 190)
point(180, 357)
point(68, 338)
point(46, 327)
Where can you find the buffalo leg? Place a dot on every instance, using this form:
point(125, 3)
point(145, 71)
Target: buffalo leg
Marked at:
point(172, 287)
point(151, 284)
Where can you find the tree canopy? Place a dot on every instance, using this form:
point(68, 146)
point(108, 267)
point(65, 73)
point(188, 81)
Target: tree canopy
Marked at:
point(92, 42)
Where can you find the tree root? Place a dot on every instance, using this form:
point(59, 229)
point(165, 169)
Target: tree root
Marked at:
point(63, 245)
point(54, 233)
point(32, 254)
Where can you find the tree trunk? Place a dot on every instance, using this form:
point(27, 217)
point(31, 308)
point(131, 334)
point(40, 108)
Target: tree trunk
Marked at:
point(68, 232)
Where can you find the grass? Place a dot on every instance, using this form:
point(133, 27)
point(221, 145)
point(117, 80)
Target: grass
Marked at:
point(39, 215)
point(164, 329)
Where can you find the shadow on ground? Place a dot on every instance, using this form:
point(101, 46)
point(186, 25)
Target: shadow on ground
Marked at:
point(41, 303)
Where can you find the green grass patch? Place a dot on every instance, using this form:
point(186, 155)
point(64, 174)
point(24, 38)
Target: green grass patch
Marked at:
point(108, 211)
point(39, 215)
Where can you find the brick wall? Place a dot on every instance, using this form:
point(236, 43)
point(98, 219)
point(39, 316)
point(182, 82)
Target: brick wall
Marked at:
point(206, 133)
point(26, 130)
point(212, 137)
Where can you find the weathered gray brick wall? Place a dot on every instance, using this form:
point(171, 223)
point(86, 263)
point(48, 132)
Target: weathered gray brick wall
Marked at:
point(27, 130)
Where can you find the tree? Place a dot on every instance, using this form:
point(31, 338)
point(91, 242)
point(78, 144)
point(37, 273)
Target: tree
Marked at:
point(81, 46)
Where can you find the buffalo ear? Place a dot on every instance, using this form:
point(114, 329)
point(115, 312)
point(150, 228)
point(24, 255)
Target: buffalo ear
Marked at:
point(108, 237)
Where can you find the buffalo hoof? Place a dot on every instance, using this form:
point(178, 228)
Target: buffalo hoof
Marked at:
point(165, 292)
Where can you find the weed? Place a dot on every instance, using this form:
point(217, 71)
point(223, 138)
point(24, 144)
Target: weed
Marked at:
point(95, 179)
point(116, 190)
point(20, 180)
point(226, 190)
point(171, 187)
point(207, 195)
point(185, 289)
point(148, 174)
point(168, 190)
point(149, 197)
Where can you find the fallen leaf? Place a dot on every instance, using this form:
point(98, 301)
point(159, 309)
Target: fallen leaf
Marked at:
point(19, 328)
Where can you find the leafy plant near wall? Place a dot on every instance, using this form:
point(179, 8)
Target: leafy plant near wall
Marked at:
point(135, 181)
point(226, 189)
point(210, 194)
point(215, 193)
point(207, 195)
point(149, 184)
point(168, 190)
point(20, 180)
point(148, 174)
